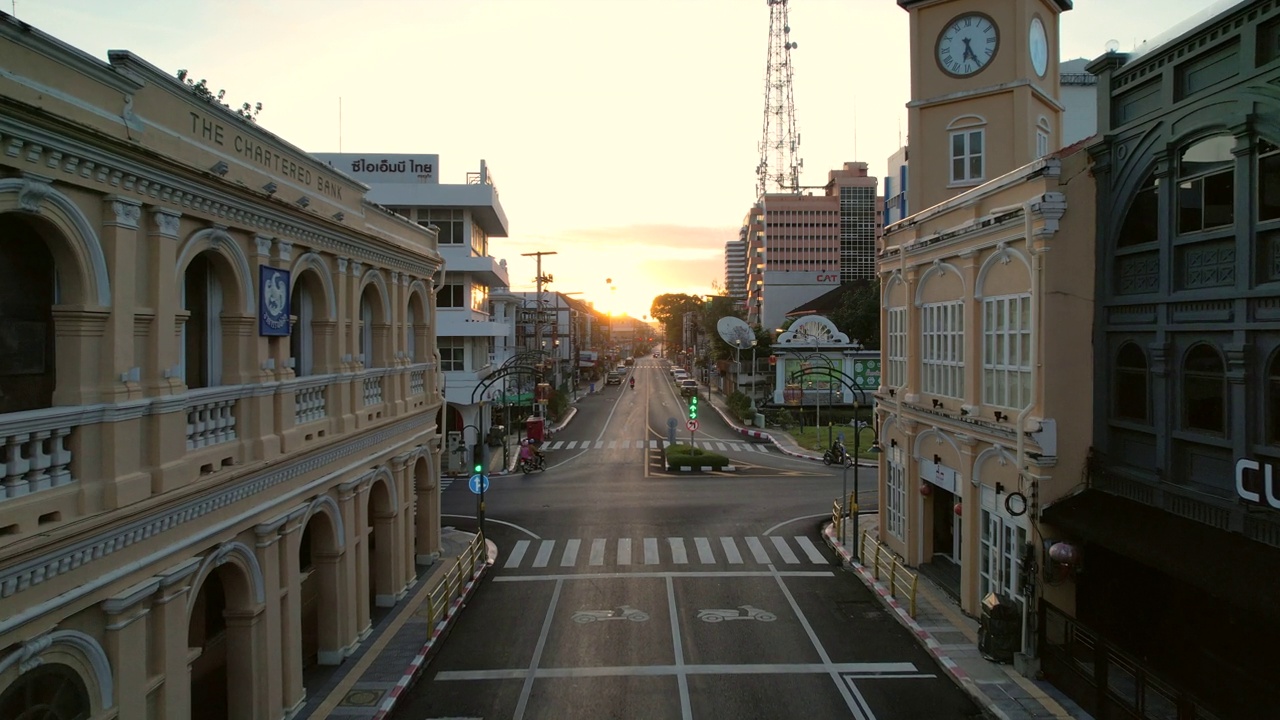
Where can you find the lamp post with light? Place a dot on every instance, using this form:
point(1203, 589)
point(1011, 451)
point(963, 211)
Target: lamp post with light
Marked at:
point(852, 510)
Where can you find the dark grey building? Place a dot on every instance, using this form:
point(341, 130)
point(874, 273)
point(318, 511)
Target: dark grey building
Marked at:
point(1178, 527)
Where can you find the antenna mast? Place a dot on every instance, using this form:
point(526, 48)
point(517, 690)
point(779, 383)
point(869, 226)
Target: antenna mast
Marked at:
point(779, 168)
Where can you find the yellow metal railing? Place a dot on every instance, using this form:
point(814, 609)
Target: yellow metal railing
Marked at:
point(838, 516)
point(455, 580)
point(880, 559)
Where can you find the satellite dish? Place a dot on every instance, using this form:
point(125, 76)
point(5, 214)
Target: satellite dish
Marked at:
point(735, 332)
point(1113, 45)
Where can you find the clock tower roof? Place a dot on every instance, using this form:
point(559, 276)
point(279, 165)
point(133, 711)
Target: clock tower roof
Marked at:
point(1063, 5)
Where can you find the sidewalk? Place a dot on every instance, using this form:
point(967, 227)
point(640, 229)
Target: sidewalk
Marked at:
point(952, 638)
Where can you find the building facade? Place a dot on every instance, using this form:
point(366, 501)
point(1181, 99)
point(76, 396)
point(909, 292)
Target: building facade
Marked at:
point(218, 393)
point(861, 219)
point(735, 267)
point(1179, 523)
point(895, 188)
point(468, 332)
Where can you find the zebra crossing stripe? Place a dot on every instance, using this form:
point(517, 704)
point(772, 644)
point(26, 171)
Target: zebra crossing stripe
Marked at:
point(704, 551)
point(599, 444)
point(544, 553)
point(757, 550)
point(570, 555)
point(613, 444)
point(721, 447)
point(597, 551)
point(651, 551)
point(517, 554)
point(811, 550)
point(569, 445)
point(678, 554)
point(784, 550)
point(653, 444)
point(624, 551)
point(731, 550)
point(555, 445)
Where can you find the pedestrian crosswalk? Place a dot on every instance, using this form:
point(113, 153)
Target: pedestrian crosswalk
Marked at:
point(717, 445)
point(602, 553)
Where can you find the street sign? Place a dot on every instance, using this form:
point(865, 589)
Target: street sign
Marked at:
point(478, 483)
point(692, 425)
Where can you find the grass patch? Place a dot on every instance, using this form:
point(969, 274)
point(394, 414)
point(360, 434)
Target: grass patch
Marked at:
point(679, 456)
point(817, 439)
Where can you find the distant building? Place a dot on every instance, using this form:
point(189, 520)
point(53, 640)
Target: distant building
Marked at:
point(735, 267)
point(861, 219)
point(895, 188)
point(1078, 92)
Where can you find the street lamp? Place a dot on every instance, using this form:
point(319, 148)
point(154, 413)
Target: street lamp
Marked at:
point(844, 474)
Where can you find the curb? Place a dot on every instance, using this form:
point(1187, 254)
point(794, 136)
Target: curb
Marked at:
point(704, 468)
point(420, 659)
point(924, 637)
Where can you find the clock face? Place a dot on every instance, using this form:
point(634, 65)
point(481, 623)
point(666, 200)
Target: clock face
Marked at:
point(1038, 46)
point(967, 44)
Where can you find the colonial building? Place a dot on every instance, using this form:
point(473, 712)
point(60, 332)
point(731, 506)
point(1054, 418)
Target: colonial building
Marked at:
point(1176, 537)
point(218, 394)
point(983, 404)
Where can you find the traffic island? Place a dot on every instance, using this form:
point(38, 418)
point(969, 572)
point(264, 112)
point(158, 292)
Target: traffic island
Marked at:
point(684, 458)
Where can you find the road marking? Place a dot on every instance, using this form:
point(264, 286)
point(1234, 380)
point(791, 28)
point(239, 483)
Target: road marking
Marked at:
point(859, 711)
point(678, 554)
point(859, 670)
point(555, 445)
point(532, 672)
point(599, 444)
point(721, 447)
point(704, 551)
point(653, 444)
point(570, 553)
point(757, 550)
point(796, 519)
point(500, 522)
point(682, 681)
point(517, 554)
point(544, 553)
point(624, 551)
point(784, 550)
point(731, 550)
point(815, 555)
point(595, 577)
point(569, 445)
point(651, 551)
point(597, 552)
point(613, 444)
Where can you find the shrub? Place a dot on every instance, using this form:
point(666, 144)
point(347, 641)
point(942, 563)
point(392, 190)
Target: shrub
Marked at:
point(557, 404)
point(682, 455)
point(739, 405)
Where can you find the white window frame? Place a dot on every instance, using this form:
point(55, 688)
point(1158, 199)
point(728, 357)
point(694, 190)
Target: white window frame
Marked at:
point(448, 345)
point(1006, 351)
point(1001, 544)
point(896, 322)
point(1042, 144)
point(896, 500)
point(967, 154)
point(942, 349)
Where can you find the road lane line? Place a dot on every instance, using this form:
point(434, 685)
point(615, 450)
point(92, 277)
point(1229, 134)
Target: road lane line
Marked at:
point(780, 543)
point(678, 554)
point(651, 551)
point(527, 689)
point(544, 553)
point(517, 554)
point(705, 556)
point(731, 550)
point(682, 680)
point(795, 519)
point(859, 670)
point(757, 550)
point(719, 574)
point(859, 710)
point(570, 553)
point(815, 555)
point(597, 551)
point(526, 531)
point(624, 551)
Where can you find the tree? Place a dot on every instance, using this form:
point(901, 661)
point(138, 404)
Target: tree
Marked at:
point(858, 314)
point(669, 310)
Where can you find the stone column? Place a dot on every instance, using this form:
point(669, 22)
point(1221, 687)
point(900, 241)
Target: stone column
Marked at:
point(169, 641)
point(427, 522)
point(912, 391)
point(247, 668)
point(402, 468)
point(121, 377)
point(166, 424)
point(293, 692)
point(973, 336)
point(340, 393)
point(970, 496)
point(268, 550)
point(125, 643)
point(349, 564)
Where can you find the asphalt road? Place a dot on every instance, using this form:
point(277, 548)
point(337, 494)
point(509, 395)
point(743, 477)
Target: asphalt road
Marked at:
point(624, 591)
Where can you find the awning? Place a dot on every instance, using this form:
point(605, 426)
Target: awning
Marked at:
point(1224, 564)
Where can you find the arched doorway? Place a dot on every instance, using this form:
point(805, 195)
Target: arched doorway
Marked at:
point(309, 308)
point(221, 628)
point(427, 511)
point(51, 691)
point(319, 554)
point(381, 545)
point(28, 292)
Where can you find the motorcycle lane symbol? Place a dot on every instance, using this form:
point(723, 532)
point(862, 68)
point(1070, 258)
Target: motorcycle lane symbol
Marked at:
point(742, 612)
point(622, 612)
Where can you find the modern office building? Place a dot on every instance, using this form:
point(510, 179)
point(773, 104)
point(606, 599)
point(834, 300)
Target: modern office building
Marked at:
point(735, 267)
point(468, 334)
point(984, 406)
point(861, 220)
point(218, 398)
point(895, 188)
point(1176, 533)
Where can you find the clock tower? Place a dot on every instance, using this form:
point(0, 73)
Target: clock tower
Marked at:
point(984, 92)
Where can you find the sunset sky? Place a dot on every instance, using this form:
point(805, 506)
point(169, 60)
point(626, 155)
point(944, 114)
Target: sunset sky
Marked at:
point(622, 134)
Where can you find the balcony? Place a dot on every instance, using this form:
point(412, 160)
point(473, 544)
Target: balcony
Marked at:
point(37, 455)
point(310, 399)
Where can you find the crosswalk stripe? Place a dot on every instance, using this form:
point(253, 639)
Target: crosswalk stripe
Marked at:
point(651, 551)
point(653, 444)
point(569, 445)
point(555, 445)
point(720, 447)
point(704, 551)
point(731, 550)
point(597, 551)
point(757, 550)
point(624, 551)
point(599, 444)
point(613, 444)
point(780, 543)
point(815, 556)
point(544, 553)
point(570, 555)
point(517, 554)
point(678, 554)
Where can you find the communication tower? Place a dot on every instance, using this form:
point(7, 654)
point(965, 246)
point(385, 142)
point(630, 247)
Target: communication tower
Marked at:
point(779, 168)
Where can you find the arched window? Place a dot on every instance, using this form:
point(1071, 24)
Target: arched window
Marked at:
point(1141, 223)
point(1204, 390)
point(1268, 181)
point(410, 337)
point(47, 692)
point(302, 338)
point(27, 297)
point(968, 149)
point(202, 332)
point(1131, 384)
point(366, 329)
point(1206, 185)
point(1273, 400)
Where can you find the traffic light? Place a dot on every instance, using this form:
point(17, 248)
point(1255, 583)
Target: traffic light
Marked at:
point(479, 459)
point(693, 407)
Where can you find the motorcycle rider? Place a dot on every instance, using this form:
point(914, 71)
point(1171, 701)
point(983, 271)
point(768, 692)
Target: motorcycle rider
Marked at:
point(529, 452)
point(837, 451)
point(632, 382)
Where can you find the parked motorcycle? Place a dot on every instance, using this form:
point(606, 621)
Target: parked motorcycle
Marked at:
point(623, 612)
point(743, 612)
point(538, 463)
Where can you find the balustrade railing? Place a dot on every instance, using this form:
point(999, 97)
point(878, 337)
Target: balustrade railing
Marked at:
point(309, 404)
point(373, 390)
point(417, 379)
point(36, 456)
point(211, 420)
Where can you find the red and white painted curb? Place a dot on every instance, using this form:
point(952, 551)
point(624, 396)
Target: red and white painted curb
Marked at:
point(925, 638)
point(420, 659)
point(706, 468)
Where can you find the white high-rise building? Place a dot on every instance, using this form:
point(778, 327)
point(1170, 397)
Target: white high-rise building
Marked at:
point(735, 267)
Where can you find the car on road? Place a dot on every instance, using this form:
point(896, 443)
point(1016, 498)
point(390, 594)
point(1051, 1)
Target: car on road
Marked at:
point(629, 362)
point(688, 388)
point(613, 378)
point(657, 353)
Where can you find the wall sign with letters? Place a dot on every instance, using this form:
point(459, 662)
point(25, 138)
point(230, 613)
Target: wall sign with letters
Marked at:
point(1251, 487)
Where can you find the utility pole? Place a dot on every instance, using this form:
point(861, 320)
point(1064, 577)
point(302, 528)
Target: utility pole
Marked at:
point(537, 317)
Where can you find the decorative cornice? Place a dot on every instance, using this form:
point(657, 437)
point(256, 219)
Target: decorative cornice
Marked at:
point(166, 221)
point(263, 243)
point(33, 192)
point(126, 211)
point(123, 601)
